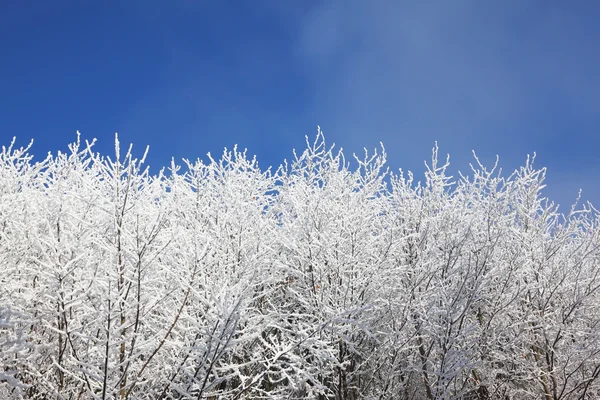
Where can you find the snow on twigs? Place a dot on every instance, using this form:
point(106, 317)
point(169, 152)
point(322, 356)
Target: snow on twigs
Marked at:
point(323, 279)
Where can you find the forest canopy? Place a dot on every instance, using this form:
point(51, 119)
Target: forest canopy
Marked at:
point(320, 279)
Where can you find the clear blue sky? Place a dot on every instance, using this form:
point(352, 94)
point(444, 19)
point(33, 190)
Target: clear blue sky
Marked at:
point(192, 76)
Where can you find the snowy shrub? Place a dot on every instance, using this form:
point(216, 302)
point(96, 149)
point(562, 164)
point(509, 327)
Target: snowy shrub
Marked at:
point(323, 279)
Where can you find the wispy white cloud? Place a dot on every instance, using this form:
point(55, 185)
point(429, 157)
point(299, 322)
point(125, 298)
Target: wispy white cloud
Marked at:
point(506, 78)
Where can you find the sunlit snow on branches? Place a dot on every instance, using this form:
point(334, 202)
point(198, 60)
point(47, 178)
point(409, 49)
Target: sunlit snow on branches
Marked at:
point(322, 279)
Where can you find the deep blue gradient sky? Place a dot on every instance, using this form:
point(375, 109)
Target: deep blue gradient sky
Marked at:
point(188, 77)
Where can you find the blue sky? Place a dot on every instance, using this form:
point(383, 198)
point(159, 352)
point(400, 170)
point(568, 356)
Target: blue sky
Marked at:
point(187, 77)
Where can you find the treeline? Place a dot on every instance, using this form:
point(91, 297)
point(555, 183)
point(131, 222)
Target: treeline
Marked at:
point(218, 280)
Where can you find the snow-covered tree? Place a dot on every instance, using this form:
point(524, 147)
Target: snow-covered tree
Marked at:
point(326, 278)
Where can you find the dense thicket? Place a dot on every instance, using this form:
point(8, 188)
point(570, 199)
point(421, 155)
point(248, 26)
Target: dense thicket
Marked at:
point(221, 281)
